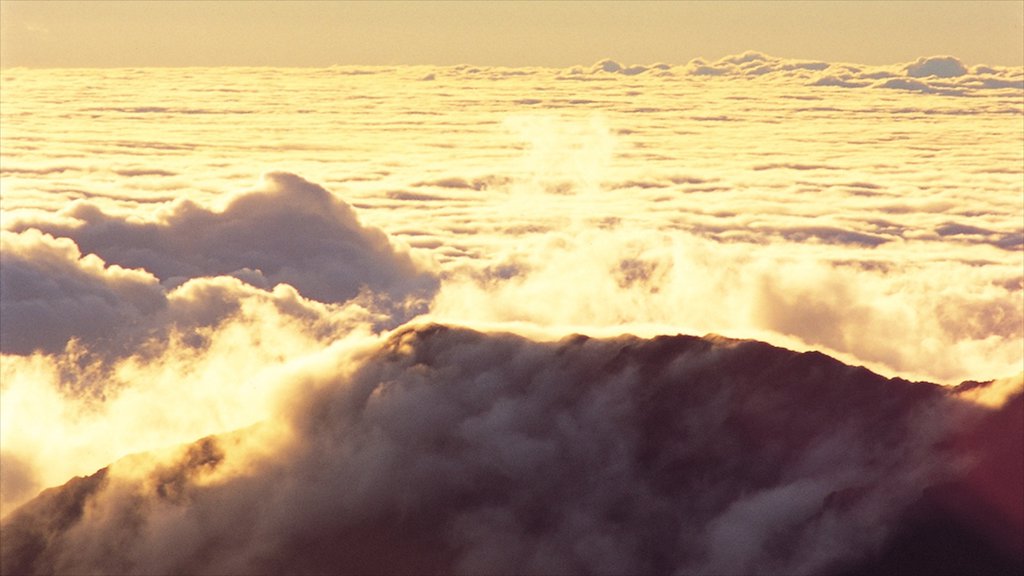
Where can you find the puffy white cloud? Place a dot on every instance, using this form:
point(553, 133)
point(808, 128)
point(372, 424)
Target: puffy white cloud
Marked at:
point(290, 231)
point(51, 293)
point(753, 63)
point(941, 66)
point(614, 67)
point(609, 66)
point(943, 75)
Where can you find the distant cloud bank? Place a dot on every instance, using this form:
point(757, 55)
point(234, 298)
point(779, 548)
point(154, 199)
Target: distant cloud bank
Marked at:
point(936, 74)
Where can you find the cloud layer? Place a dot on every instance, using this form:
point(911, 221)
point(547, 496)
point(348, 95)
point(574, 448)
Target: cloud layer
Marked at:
point(872, 213)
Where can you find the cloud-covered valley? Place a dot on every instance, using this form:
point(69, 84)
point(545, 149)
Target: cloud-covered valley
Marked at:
point(483, 320)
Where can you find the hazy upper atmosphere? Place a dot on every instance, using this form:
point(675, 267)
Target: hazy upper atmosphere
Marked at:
point(425, 293)
point(99, 33)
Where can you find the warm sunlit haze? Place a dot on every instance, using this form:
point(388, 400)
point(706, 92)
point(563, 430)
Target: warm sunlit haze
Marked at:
point(98, 33)
point(511, 287)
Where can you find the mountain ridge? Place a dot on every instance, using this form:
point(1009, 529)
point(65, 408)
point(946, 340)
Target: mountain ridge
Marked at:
point(452, 450)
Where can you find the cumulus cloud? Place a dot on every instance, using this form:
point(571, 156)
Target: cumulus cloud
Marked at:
point(614, 67)
point(290, 231)
point(915, 86)
point(941, 66)
point(943, 75)
point(752, 63)
point(103, 279)
point(448, 450)
point(609, 66)
point(51, 293)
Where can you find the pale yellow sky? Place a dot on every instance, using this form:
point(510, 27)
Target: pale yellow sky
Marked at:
point(207, 33)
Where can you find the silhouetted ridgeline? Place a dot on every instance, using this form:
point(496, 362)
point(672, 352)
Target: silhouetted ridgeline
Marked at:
point(449, 450)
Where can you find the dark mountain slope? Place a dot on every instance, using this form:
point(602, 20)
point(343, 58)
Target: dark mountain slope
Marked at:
point(449, 450)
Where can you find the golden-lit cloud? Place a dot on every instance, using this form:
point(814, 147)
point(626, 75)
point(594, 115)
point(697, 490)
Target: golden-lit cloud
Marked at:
point(511, 312)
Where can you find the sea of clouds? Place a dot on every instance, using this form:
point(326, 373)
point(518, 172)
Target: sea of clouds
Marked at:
point(151, 294)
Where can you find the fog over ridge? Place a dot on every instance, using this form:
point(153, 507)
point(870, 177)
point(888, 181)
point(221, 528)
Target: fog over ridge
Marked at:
point(593, 456)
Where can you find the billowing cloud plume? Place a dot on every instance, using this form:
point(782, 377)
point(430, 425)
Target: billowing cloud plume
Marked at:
point(202, 363)
point(447, 450)
point(290, 231)
point(104, 279)
point(92, 348)
point(50, 293)
point(643, 281)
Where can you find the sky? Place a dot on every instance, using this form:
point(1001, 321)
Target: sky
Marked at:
point(184, 33)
